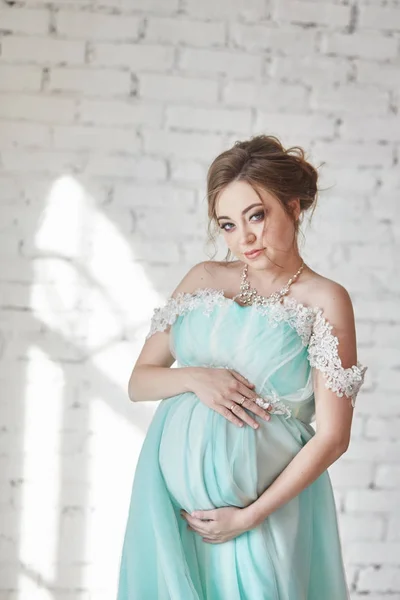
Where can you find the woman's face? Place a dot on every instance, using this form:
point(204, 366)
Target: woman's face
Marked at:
point(248, 223)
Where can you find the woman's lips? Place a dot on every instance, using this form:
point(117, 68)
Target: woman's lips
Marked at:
point(253, 253)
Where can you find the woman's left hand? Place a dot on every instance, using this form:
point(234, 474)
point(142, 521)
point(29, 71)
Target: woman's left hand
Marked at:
point(218, 525)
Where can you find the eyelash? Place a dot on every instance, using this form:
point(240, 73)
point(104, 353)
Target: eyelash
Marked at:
point(257, 214)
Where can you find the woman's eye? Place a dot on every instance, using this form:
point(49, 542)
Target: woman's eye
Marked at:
point(258, 214)
point(227, 226)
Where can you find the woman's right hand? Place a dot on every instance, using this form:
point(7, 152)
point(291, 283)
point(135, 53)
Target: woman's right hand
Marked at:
point(221, 388)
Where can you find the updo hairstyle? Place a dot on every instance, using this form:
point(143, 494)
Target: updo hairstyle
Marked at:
point(263, 162)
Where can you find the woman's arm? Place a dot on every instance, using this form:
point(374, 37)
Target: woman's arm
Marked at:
point(312, 460)
point(151, 377)
point(151, 382)
point(333, 418)
point(334, 356)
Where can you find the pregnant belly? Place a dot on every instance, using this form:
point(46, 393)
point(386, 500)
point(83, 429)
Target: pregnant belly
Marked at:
point(209, 462)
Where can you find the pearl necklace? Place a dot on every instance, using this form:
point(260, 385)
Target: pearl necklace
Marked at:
point(250, 295)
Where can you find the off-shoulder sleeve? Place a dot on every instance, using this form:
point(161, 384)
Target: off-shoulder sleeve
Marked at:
point(164, 316)
point(323, 354)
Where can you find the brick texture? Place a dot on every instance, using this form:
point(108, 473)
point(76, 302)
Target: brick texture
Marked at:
point(110, 113)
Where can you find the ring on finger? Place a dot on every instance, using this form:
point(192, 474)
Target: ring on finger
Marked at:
point(240, 403)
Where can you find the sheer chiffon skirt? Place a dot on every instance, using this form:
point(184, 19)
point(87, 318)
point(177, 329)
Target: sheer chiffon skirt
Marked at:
point(294, 554)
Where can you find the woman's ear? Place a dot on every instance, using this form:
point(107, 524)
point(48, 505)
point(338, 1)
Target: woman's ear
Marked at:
point(295, 208)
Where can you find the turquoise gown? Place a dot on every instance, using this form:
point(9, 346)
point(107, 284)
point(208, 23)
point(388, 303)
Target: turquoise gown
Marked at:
point(194, 458)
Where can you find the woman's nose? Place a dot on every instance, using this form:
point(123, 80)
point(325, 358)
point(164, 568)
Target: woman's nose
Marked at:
point(248, 237)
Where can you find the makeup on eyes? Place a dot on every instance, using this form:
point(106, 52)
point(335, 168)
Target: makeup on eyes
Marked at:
point(260, 213)
point(243, 211)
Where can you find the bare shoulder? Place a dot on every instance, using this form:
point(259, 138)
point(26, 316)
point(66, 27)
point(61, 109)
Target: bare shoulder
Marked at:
point(201, 275)
point(337, 308)
point(334, 299)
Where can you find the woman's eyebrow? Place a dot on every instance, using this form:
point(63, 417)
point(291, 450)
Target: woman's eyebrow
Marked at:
point(243, 211)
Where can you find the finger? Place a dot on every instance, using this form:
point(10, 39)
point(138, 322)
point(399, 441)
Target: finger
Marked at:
point(196, 523)
point(237, 410)
point(191, 528)
point(209, 514)
point(235, 397)
point(199, 530)
point(250, 404)
point(228, 414)
point(242, 379)
point(233, 412)
point(195, 531)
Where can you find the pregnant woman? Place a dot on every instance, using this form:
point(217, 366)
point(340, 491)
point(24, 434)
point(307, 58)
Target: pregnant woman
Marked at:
point(231, 498)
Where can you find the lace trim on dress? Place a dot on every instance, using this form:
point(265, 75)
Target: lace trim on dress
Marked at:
point(301, 318)
point(298, 316)
point(313, 329)
point(183, 302)
point(323, 355)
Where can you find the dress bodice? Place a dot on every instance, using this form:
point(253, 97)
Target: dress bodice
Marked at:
point(274, 346)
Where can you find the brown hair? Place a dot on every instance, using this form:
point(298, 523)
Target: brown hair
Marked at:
point(263, 162)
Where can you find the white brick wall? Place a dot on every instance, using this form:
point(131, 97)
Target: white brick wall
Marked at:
point(110, 113)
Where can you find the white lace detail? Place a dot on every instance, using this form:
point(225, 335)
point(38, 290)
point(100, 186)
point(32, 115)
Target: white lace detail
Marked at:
point(277, 406)
point(298, 316)
point(313, 329)
point(323, 354)
point(183, 302)
point(301, 318)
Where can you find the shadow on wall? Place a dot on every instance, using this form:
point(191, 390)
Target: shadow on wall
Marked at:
point(76, 307)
